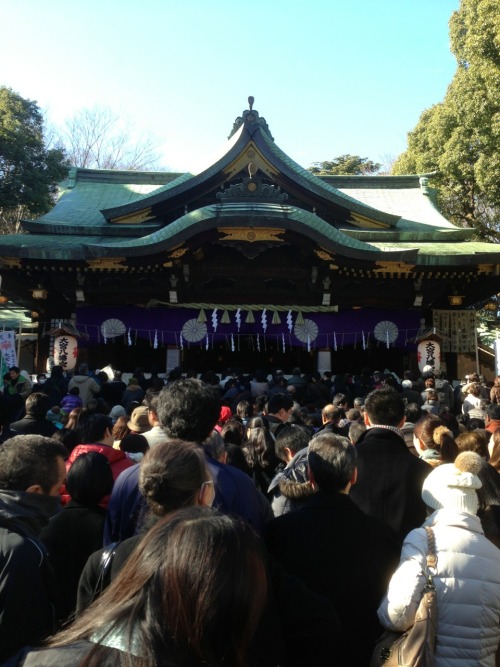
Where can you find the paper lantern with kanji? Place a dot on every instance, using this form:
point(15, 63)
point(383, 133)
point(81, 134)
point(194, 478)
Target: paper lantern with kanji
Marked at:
point(65, 352)
point(429, 354)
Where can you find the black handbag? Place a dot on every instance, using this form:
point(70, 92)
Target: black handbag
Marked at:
point(416, 646)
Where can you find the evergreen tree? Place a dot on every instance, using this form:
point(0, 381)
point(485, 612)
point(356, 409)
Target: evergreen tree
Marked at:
point(344, 165)
point(459, 138)
point(29, 170)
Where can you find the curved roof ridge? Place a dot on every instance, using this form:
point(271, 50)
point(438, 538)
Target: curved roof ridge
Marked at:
point(289, 217)
point(322, 188)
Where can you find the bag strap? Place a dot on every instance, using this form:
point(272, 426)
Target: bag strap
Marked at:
point(431, 558)
point(105, 569)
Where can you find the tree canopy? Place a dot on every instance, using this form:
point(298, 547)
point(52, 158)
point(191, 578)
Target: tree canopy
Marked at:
point(345, 164)
point(459, 138)
point(29, 170)
point(97, 138)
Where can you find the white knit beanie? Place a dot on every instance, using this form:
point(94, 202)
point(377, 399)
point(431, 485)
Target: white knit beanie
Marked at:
point(453, 485)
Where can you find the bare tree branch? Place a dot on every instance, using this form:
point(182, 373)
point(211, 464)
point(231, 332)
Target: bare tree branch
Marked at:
point(98, 138)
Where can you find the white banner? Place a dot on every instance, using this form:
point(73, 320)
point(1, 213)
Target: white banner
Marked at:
point(8, 348)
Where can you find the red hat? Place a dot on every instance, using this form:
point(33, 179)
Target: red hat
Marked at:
point(225, 414)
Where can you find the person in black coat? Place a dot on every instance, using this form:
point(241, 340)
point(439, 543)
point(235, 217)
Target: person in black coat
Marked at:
point(35, 422)
point(31, 472)
point(56, 386)
point(337, 550)
point(390, 477)
point(77, 531)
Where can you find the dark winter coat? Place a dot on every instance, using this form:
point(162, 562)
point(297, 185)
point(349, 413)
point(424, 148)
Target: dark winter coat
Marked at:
point(70, 537)
point(33, 425)
point(390, 479)
point(28, 589)
point(342, 553)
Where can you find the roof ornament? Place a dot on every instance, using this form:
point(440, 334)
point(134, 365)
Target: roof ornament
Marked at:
point(424, 184)
point(250, 118)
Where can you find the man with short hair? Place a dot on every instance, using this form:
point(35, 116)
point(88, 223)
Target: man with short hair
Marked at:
point(409, 395)
point(337, 550)
point(188, 409)
point(331, 416)
point(35, 422)
point(390, 478)
point(279, 409)
point(156, 435)
point(32, 471)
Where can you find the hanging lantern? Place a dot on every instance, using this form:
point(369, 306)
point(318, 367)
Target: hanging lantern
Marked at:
point(65, 352)
point(429, 354)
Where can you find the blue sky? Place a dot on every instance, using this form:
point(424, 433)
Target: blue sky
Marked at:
point(329, 76)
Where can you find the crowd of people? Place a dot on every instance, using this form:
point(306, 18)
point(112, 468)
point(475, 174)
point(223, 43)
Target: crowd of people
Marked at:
point(245, 520)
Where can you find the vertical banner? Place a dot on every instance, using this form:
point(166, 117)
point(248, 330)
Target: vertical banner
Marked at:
point(8, 349)
point(496, 347)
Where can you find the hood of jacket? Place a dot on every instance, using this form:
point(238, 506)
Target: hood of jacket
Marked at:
point(81, 379)
point(293, 481)
point(27, 513)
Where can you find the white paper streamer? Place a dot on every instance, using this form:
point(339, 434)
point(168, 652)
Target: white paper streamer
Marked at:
point(263, 319)
point(364, 341)
point(155, 342)
point(181, 341)
point(129, 337)
point(334, 341)
point(232, 343)
point(105, 339)
point(258, 343)
point(308, 343)
point(238, 318)
point(215, 322)
point(283, 342)
point(387, 338)
point(289, 321)
point(206, 343)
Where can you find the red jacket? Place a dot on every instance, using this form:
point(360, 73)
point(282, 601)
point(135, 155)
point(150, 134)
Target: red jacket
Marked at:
point(117, 459)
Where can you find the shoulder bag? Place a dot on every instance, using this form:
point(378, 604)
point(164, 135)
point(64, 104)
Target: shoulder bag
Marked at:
point(415, 647)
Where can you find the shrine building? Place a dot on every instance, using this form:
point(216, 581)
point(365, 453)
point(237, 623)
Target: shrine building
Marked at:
point(253, 262)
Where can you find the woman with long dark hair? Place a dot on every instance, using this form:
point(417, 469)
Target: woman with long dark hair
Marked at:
point(260, 456)
point(191, 594)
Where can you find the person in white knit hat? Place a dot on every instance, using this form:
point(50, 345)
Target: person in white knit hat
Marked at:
point(467, 575)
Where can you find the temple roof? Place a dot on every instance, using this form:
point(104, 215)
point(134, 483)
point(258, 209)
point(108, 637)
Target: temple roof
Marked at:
point(252, 183)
